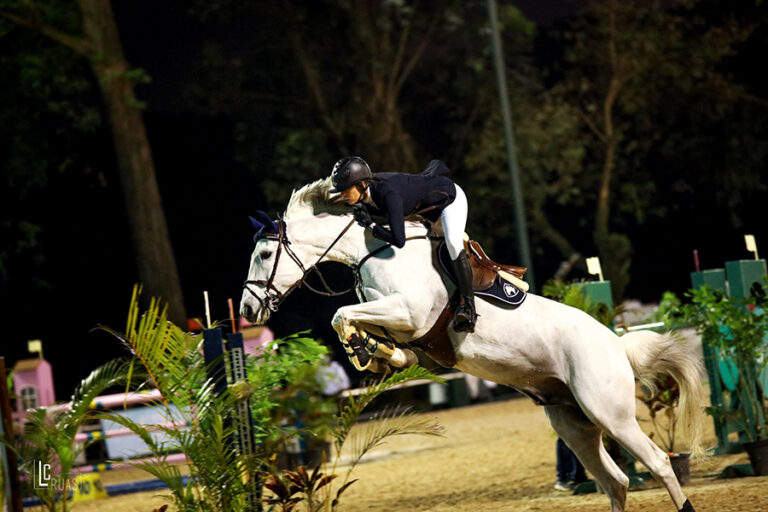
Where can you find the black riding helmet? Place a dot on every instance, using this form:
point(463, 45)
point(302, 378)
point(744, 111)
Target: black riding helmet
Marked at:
point(349, 171)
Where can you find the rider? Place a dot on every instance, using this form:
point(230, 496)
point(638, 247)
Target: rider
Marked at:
point(394, 196)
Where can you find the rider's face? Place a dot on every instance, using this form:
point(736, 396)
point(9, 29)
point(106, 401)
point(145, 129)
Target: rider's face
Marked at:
point(353, 194)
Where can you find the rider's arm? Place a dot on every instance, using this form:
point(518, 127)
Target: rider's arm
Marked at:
point(395, 235)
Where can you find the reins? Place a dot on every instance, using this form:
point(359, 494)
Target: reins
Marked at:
point(273, 297)
point(272, 300)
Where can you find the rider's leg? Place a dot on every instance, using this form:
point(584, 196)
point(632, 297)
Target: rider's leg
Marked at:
point(454, 220)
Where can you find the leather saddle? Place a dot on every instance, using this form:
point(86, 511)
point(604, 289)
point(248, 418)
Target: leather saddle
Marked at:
point(485, 270)
point(489, 280)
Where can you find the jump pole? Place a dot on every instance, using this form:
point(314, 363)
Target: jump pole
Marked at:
point(215, 361)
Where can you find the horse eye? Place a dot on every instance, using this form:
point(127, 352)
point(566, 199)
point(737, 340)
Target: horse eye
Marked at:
point(265, 254)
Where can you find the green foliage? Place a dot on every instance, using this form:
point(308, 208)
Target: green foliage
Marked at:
point(572, 294)
point(738, 330)
point(47, 119)
point(668, 309)
point(659, 69)
point(220, 477)
point(291, 488)
point(300, 157)
point(169, 355)
point(286, 391)
point(356, 404)
point(282, 377)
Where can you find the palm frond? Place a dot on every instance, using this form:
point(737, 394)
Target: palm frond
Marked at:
point(162, 347)
point(141, 430)
point(389, 423)
point(112, 373)
point(355, 405)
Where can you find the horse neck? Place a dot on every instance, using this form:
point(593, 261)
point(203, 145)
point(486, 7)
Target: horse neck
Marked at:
point(315, 235)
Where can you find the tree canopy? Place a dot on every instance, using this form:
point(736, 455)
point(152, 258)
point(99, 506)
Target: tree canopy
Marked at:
point(641, 132)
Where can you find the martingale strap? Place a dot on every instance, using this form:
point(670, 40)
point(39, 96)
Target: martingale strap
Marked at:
point(436, 343)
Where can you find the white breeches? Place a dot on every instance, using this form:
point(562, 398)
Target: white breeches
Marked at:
point(454, 220)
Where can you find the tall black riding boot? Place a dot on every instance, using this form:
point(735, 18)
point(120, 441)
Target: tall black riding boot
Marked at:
point(464, 318)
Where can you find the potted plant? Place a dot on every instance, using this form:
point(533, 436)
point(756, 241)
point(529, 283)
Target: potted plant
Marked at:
point(662, 402)
point(737, 328)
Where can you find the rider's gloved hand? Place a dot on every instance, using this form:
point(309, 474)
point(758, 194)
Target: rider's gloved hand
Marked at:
point(362, 216)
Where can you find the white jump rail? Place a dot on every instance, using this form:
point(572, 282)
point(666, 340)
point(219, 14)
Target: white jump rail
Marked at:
point(115, 400)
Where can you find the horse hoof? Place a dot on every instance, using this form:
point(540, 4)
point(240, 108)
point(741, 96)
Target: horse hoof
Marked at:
point(379, 365)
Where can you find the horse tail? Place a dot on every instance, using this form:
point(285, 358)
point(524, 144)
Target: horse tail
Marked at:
point(653, 355)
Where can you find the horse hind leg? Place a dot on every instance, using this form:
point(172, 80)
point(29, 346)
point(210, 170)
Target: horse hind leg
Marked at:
point(631, 436)
point(616, 417)
point(585, 440)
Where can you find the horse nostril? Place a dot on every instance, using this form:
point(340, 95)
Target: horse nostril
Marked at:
point(247, 311)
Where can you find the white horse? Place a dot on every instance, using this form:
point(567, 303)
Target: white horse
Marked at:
point(579, 370)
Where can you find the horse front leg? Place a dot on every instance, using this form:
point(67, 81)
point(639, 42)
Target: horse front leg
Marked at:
point(367, 352)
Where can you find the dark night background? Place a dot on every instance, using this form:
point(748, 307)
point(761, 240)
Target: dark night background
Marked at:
point(79, 270)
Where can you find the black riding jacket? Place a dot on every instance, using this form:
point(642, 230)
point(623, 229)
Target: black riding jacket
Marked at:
point(398, 195)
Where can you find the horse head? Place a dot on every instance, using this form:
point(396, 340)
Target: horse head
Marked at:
point(285, 248)
point(271, 275)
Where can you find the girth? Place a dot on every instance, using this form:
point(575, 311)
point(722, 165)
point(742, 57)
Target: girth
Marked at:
point(436, 343)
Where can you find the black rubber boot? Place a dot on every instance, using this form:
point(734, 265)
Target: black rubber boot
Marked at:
point(464, 318)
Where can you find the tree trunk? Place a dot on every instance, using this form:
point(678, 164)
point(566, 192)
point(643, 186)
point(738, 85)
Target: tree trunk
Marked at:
point(615, 249)
point(154, 255)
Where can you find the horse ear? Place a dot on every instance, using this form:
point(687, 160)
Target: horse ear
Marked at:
point(263, 221)
point(257, 226)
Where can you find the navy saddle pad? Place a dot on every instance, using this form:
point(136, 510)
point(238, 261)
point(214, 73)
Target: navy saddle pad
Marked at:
point(501, 289)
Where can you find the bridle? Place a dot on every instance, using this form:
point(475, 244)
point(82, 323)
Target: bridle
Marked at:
point(273, 297)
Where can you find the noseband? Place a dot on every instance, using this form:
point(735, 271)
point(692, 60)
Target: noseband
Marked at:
point(273, 297)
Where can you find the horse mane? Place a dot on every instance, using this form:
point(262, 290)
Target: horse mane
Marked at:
point(314, 199)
